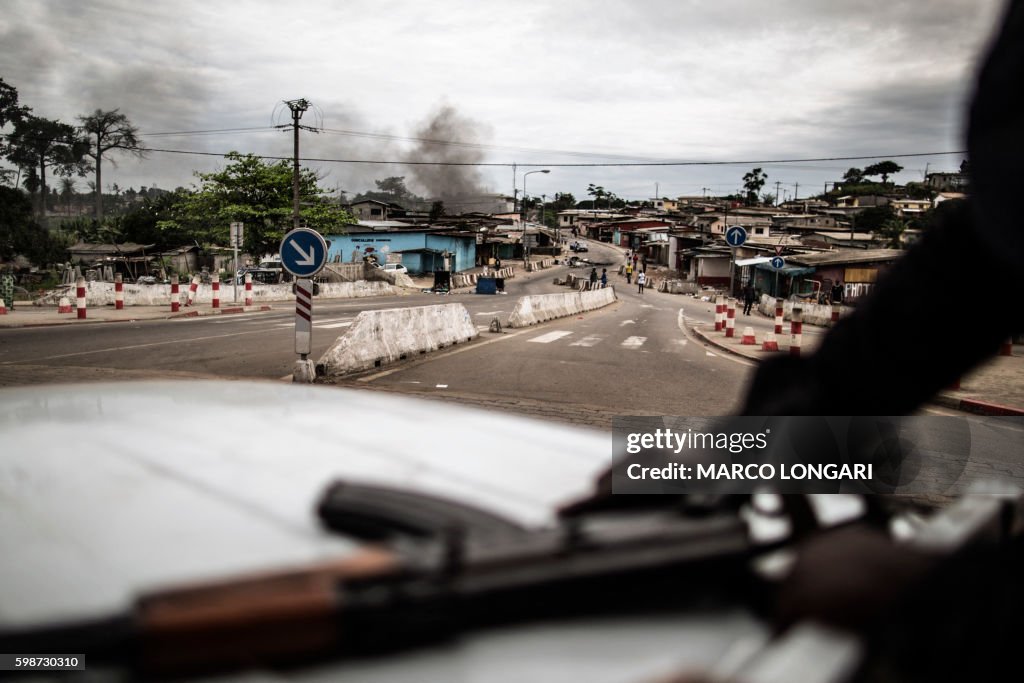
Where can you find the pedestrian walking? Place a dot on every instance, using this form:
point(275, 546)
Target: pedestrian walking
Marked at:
point(640, 280)
point(604, 278)
point(593, 278)
point(643, 262)
point(748, 298)
point(629, 273)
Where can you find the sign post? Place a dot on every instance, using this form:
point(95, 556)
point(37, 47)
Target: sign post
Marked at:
point(303, 254)
point(236, 241)
point(778, 263)
point(735, 237)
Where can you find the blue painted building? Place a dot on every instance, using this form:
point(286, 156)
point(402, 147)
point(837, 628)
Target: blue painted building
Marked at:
point(421, 249)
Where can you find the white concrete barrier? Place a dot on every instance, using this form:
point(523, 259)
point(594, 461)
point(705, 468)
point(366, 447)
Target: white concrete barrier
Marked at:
point(385, 336)
point(813, 314)
point(103, 293)
point(538, 308)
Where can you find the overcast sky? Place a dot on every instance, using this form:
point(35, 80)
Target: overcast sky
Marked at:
point(539, 84)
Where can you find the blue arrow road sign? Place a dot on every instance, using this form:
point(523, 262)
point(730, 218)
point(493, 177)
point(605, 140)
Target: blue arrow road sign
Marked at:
point(778, 262)
point(735, 236)
point(303, 252)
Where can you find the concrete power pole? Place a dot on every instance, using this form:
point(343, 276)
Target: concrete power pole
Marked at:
point(298, 107)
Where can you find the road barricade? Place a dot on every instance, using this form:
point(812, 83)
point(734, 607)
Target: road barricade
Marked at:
point(388, 335)
point(538, 308)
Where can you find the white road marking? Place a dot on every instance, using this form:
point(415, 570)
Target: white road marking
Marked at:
point(627, 322)
point(549, 337)
point(634, 342)
point(332, 326)
point(441, 386)
point(231, 319)
point(489, 313)
point(708, 353)
point(588, 341)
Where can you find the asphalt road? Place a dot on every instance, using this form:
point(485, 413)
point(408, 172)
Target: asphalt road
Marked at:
point(632, 357)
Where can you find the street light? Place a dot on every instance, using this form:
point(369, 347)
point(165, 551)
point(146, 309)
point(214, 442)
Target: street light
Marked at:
point(545, 170)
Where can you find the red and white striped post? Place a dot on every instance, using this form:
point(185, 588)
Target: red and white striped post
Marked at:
point(216, 290)
point(192, 289)
point(835, 314)
point(248, 289)
point(779, 319)
point(730, 318)
point(719, 314)
point(80, 297)
point(64, 305)
point(118, 292)
point(770, 343)
point(3, 306)
point(748, 336)
point(1007, 348)
point(175, 295)
point(796, 328)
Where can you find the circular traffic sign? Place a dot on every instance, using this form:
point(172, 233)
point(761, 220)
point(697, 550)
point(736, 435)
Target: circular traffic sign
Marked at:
point(778, 262)
point(736, 235)
point(303, 252)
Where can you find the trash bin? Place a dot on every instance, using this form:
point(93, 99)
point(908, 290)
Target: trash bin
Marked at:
point(486, 285)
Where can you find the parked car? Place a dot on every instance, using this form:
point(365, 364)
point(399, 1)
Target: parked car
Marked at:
point(578, 248)
point(394, 268)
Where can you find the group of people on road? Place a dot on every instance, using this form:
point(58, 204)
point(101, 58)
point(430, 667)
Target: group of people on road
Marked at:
point(636, 264)
point(594, 278)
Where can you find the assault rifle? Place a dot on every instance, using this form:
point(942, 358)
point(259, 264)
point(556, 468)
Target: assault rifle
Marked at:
point(430, 569)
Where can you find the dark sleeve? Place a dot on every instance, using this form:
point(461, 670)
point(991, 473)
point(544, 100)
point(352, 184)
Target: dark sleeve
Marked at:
point(941, 309)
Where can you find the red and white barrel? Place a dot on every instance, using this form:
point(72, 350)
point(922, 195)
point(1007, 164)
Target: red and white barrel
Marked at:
point(796, 329)
point(835, 313)
point(779, 320)
point(64, 306)
point(3, 306)
point(748, 336)
point(192, 289)
point(770, 343)
point(216, 291)
point(1007, 348)
point(730, 318)
point(719, 314)
point(248, 289)
point(118, 292)
point(80, 297)
point(175, 295)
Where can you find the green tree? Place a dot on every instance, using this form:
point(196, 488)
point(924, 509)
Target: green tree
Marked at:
point(884, 169)
point(892, 230)
point(752, 184)
point(853, 176)
point(597, 192)
point(258, 194)
point(108, 131)
point(873, 218)
point(37, 144)
point(21, 235)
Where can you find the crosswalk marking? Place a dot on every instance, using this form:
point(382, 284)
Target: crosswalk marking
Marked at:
point(588, 341)
point(634, 342)
point(549, 337)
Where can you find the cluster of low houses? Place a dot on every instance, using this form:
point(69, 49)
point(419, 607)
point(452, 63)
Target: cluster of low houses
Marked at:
point(685, 237)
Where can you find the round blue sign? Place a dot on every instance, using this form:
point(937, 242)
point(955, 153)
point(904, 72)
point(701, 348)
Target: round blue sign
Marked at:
point(303, 252)
point(778, 262)
point(736, 236)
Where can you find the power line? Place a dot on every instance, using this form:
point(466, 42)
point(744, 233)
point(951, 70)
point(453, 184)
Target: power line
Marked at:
point(618, 164)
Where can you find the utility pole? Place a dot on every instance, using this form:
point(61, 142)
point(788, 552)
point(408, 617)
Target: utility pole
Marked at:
point(796, 192)
point(298, 107)
point(778, 183)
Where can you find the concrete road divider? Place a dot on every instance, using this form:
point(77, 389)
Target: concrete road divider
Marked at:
point(385, 336)
point(538, 308)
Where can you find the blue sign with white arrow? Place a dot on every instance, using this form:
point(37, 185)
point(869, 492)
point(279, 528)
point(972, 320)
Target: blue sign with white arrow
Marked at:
point(736, 236)
point(778, 262)
point(303, 252)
